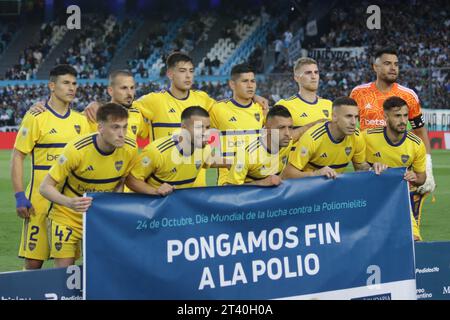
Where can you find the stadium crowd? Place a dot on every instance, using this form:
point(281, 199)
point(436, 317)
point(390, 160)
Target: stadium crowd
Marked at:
point(423, 54)
point(93, 49)
point(32, 57)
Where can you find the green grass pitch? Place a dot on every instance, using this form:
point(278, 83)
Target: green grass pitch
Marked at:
point(435, 220)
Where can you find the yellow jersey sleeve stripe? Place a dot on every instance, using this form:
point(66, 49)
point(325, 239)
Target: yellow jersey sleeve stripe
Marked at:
point(180, 182)
point(87, 143)
point(169, 146)
point(82, 141)
point(96, 181)
point(164, 143)
point(254, 148)
point(252, 144)
point(319, 135)
point(322, 127)
point(414, 140)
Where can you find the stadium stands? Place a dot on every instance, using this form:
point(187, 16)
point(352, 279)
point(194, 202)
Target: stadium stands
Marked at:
point(93, 49)
point(32, 57)
point(246, 35)
point(7, 32)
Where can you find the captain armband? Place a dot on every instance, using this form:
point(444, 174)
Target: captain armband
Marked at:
point(417, 122)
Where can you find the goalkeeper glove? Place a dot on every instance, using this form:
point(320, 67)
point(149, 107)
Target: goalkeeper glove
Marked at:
point(429, 184)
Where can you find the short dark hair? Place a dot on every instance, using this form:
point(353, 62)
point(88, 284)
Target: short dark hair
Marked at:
point(278, 111)
point(238, 69)
point(114, 74)
point(113, 110)
point(194, 111)
point(176, 57)
point(344, 101)
point(393, 102)
point(385, 50)
point(61, 70)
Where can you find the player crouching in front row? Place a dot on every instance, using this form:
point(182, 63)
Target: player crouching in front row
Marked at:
point(97, 162)
point(174, 162)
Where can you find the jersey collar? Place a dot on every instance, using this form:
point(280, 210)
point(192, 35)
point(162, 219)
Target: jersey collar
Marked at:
point(390, 142)
point(311, 103)
point(47, 106)
point(240, 105)
point(330, 136)
point(185, 98)
point(94, 140)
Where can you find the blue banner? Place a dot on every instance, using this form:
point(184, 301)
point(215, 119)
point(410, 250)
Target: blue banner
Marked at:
point(46, 284)
point(313, 238)
point(433, 270)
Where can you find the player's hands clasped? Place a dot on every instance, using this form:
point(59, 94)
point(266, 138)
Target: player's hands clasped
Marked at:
point(79, 204)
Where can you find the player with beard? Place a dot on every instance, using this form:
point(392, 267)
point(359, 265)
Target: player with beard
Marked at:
point(395, 147)
point(370, 98)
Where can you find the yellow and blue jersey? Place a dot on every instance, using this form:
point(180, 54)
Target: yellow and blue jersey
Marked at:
point(409, 152)
point(44, 135)
point(163, 111)
point(238, 125)
point(316, 149)
point(258, 163)
point(304, 112)
point(164, 161)
point(83, 167)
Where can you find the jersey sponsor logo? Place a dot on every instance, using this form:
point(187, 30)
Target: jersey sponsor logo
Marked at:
point(53, 131)
point(232, 119)
point(348, 150)
point(31, 246)
point(303, 115)
point(326, 113)
point(375, 122)
point(324, 155)
point(77, 128)
point(377, 154)
point(118, 165)
point(24, 131)
point(52, 157)
point(257, 117)
point(134, 129)
point(404, 158)
point(172, 110)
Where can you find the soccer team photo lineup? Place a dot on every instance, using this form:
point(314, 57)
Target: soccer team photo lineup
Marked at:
point(225, 149)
